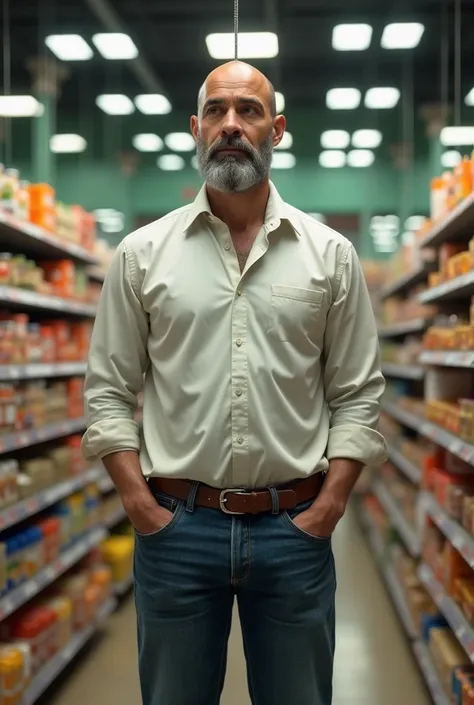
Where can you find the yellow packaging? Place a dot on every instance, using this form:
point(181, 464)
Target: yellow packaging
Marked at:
point(117, 552)
point(11, 676)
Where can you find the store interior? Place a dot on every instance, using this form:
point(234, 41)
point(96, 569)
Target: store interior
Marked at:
point(94, 142)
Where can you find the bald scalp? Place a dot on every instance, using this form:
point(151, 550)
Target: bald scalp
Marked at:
point(202, 95)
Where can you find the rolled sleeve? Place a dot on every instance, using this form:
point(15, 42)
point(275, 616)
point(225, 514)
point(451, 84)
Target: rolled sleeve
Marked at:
point(117, 362)
point(352, 372)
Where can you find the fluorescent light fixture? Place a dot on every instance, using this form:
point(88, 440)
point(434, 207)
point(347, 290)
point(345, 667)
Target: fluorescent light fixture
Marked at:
point(69, 47)
point(402, 35)
point(170, 162)
point(286, 141)
point(414, 222)
point(115, 45)
point(343, 98)
point(451, 158)
point(252, 45)
point(332, 159)
point(366, 139)
point(153, 104)
point(115, 104)
point(457, 136)
point(180, 142)
point(20, 106)
point(335, 139)
point(280, 102)
point(382, 98)
point(351, 37)
point(194, 162)
point(469, 99)
point(360, 158)
point(147, 142)
point(283, 160)
point(67, 144)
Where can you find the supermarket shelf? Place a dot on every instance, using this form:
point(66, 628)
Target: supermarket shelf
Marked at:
point(31, 506)
point(122, 588)
point(430, 674)
point(407, 532)
point(453, 289)
point(409, 469)
point(30, 300)
point(18, 236)
point(405, 417)
point(407, 281)
point(50, 573)
point(448, 608)
point(389, 575)
point(458, 222)
point(24, 439)
point(115, 518)
point(48, 674)
point(453, 443)
point(454, 532)
point(404, 328)
point(392, 369)
point(96, 275)
point(42, 371)
point(447, 358)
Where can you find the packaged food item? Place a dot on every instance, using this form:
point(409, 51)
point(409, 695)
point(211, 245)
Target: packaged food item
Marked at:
point(438, 199)
point(63, 607)
point(9, 190)
point(23, 209)
point(12, 671)
point(463, 178)
point(74, 587)
point(50, 529)
point(117, 552)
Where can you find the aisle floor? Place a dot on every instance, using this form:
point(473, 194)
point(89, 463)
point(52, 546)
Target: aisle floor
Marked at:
point(374, 665)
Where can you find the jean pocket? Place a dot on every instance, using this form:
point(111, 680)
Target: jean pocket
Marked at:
point(173, 505)
point(289, 517)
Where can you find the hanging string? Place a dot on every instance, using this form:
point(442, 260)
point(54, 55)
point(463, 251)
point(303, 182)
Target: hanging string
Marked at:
point(7, 78)
point(236, 29)
point(457, 62)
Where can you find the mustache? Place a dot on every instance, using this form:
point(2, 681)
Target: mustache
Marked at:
point(231, 143)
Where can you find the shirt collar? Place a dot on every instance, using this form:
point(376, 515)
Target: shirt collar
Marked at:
point(277, 210)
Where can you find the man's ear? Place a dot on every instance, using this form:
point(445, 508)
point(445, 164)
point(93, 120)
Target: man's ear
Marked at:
point(194, 124)
point(279, 127)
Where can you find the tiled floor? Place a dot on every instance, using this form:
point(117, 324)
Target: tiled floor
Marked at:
point(374, 665)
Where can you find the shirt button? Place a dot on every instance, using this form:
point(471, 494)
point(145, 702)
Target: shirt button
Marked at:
point(240, 440)
point(238, 392)
point(227, 246)
point(239, 293)
point(238, 342)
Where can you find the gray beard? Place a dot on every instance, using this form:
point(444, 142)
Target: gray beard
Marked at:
point(235, 174)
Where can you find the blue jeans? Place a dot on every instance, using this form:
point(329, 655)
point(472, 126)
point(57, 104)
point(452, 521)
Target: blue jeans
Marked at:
point(186, 577)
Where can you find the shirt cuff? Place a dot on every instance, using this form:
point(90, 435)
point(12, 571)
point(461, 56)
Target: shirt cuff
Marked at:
point(110, 436)
point(357, 443)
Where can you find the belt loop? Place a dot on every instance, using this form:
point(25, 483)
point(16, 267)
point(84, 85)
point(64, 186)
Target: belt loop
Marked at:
point(192, 497)
point(275, 499)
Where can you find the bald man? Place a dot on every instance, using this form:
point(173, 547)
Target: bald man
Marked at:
point(249, 327)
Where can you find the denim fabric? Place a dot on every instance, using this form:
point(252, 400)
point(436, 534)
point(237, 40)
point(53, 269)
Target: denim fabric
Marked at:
point(186, 578)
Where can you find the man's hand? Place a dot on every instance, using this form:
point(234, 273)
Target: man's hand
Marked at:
point(321, 518)
point(147, 517)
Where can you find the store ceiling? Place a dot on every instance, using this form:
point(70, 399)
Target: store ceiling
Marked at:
point(170, 35)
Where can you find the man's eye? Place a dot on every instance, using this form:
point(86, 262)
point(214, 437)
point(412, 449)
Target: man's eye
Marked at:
point(249, 110)
point(213, 111)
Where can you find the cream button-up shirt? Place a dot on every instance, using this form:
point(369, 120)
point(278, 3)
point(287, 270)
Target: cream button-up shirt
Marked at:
point(249, 379)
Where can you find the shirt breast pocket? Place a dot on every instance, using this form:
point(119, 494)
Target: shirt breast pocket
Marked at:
point(294, 312)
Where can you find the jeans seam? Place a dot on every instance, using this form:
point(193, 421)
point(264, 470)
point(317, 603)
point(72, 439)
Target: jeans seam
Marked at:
point(244, 578)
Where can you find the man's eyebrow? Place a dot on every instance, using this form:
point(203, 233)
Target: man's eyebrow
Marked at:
point(211, 102)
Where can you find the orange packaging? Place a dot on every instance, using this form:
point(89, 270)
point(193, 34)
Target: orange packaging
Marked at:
point(51, 530)
point(77, 464)
point(44, 219)
point(12, 675)
point(61, 275)
point(81, 335)
point(42, 197)
point(455, 568)
point(446, 251)
point(463, 177)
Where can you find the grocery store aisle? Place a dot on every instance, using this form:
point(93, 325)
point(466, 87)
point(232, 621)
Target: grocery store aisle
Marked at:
point(374, 664)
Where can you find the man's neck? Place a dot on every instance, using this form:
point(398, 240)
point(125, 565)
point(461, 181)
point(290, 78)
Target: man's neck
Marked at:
point(240, 211)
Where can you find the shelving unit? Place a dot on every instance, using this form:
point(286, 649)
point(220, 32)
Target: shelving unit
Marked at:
point(417, 325)
point(454, 532)
point(409, 469)
point(430, 674)
point(24, 439)
point(391, 369)
point(31, 301)
point(408, 533)
point(10, 373)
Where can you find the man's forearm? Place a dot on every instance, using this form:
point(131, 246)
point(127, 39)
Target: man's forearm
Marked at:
point(340, 480)
point(125, 471)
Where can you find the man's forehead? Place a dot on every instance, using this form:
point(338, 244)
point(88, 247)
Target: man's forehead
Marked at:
point(252, 86)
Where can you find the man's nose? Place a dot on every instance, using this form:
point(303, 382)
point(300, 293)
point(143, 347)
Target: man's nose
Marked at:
point(231, 125)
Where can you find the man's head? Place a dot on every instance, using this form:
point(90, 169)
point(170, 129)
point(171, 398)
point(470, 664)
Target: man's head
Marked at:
point(236, 127)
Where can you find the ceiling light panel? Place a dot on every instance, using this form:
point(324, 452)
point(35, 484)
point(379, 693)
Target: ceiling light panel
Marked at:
point(20, 106)
point(67, 144)
point(283, 160)
point(332, 159)
point(69, 47)
point(469, 99)
point(360, 158)
point(286, 141)
point(351, 37)
point(115, 46)
point(343, 98)
point(280, 102)
point(115, 104)
point(180, 142)
point(382, 98)
point(170, 162)
point(147, 142)
point(457, 136)
point(402, 35)
point(335, 139)
point(153, 104)
point(252, 45)
point(451, 158)
point(366, 139)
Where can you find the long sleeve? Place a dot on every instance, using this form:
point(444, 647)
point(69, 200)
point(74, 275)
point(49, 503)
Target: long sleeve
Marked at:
point(117, 362)
point(352, 375)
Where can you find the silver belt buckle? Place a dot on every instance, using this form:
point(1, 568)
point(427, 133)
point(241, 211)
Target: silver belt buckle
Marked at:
point(223, 500)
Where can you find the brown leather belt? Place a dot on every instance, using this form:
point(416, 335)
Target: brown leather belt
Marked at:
point(236, 501)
